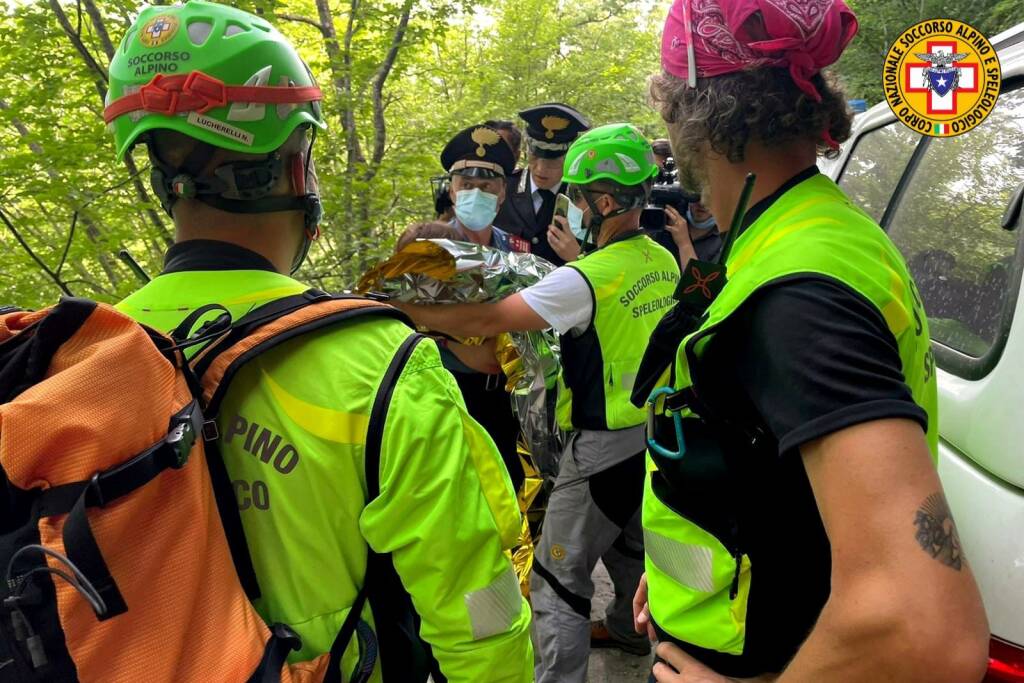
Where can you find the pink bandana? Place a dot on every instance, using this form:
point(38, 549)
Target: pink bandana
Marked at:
point(725, 36)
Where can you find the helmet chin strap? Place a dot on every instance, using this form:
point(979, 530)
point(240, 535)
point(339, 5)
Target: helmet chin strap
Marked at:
point(241, 187)
point(597, 219)
point(311, 227)
point(300, 256)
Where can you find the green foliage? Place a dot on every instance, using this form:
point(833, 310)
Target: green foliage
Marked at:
point(457, 63)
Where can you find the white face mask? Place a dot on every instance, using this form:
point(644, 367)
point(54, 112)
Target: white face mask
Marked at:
point(575, 218)
point(476, 209)
point(705, 224)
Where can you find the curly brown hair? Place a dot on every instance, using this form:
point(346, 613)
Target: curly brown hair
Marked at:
point(728, 111)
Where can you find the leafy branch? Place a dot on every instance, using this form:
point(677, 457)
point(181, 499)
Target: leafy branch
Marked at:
point(35, 257)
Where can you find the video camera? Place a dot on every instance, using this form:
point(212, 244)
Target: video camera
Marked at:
point(439, 187)
point(666, 192)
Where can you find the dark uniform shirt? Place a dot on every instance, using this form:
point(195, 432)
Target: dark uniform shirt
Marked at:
point(517, 216)
point(708, 246)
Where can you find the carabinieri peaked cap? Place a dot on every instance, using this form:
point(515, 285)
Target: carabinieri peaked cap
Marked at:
point(552, 127)
point(478, 151)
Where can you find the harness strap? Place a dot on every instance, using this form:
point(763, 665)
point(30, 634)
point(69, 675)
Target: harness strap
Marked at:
point(227, 505)
point(282, 641)
point(579, 604)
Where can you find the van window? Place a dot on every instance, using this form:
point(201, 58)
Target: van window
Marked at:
point(947, 224)
point(876, 165)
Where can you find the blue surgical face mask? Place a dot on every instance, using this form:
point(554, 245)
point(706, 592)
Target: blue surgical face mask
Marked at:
point(705, 224)
point(476, 209)
point(575, 218)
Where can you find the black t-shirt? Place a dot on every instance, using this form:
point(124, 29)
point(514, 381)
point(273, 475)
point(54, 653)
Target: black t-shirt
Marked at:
point(800, 359)
point(707, 245)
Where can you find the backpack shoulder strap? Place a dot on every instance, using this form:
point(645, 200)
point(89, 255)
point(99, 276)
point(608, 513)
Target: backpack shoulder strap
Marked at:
point(210, 373)
point(271, 325)
point(374, 439)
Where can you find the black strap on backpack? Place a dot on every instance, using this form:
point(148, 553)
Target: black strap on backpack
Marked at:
point(408, 657)
point(24, 360)
point(222, 335)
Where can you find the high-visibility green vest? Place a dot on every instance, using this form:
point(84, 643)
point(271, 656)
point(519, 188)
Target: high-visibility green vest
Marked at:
point(631, 281)
point(293, 431)
point(698, 585)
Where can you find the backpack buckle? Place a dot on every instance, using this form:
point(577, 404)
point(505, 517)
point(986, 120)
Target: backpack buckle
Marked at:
point(210, 431)
point(96, 488)
point(492, 383)
point(286, 633)
point(185, 426)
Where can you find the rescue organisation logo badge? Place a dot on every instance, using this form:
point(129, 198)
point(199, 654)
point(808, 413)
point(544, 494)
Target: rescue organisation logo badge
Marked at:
point(158, 30)
point(941, 77)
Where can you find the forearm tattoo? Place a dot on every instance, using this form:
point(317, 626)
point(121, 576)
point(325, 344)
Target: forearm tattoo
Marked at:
point(936, 531)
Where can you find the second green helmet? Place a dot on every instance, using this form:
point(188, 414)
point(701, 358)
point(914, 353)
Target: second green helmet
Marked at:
point(212, 72)
point(617, 151)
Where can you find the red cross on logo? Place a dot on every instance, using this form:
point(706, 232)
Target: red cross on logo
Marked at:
point(914, 79)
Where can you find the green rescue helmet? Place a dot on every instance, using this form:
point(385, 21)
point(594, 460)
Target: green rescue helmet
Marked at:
point(212, 72)
point(617, 152)
point(229, 80)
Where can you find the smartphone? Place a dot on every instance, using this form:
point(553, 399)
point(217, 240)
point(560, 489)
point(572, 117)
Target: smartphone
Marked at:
point(562, 205)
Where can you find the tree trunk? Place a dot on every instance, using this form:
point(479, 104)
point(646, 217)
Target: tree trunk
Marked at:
point(103, 78)
point(379, 79)
point(101, 29)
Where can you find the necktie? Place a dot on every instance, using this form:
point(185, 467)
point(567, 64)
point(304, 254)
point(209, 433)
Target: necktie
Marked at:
point(547, 210)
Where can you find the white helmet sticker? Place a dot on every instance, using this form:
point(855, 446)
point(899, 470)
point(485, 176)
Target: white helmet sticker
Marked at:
point(574, 169)
point(250, 111)
point(627, 163)
point(240, 136)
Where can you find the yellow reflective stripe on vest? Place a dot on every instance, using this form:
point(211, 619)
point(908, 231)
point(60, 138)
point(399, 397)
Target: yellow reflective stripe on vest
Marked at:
point(687, 563)
point(265, 295)
point(325, 423)
point(689, 575)
point(494, 480)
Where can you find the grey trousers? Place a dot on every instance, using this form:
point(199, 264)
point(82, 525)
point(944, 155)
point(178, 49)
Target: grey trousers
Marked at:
point(593, 513)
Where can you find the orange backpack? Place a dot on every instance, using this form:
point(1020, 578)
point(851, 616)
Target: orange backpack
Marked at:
point(120, 536)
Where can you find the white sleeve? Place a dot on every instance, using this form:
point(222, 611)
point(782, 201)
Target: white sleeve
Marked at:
point(562, 298)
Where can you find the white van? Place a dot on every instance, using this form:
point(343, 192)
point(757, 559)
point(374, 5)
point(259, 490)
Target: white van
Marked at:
point(953, 207)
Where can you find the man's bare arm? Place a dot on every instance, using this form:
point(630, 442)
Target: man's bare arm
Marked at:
point(904, 605)
point(511, 314)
